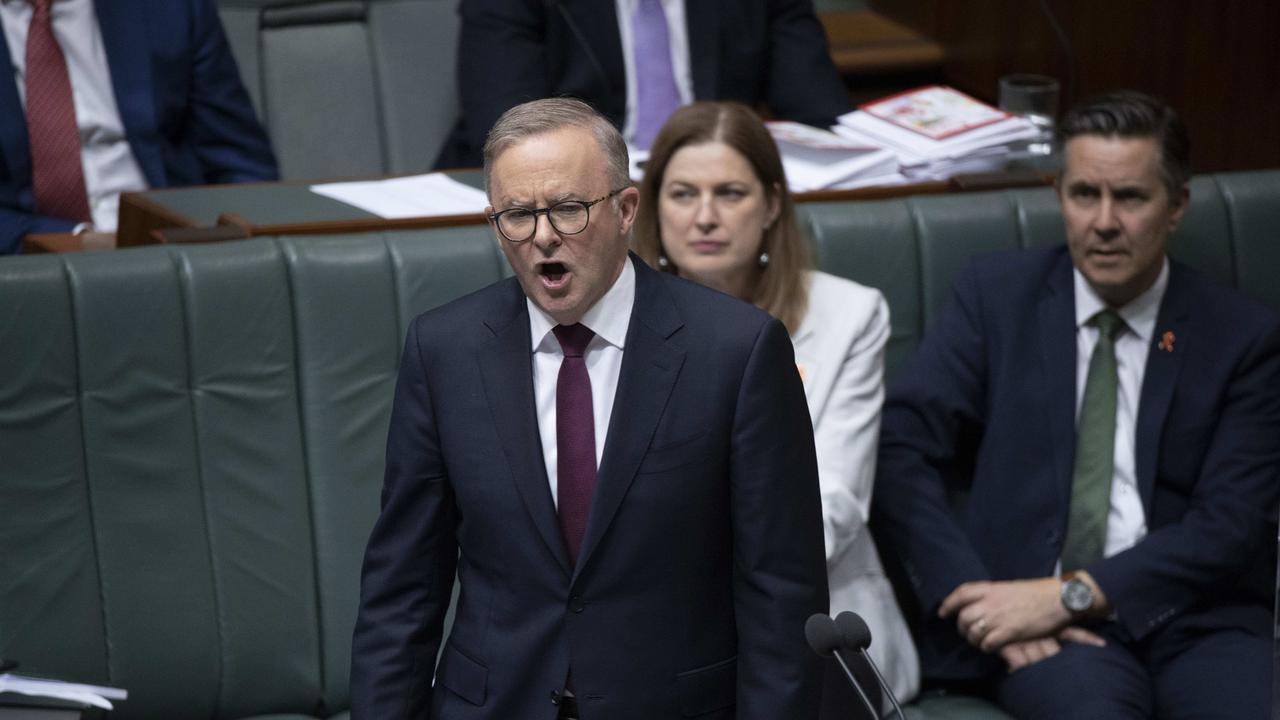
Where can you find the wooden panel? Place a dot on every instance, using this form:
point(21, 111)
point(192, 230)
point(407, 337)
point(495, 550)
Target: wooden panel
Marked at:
point(865, 42)
point(1217, 62)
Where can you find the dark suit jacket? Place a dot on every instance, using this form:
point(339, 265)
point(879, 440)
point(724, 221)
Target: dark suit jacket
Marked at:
point(753, 51)
point(703, 555)
point(186, 114)
point(987, 407)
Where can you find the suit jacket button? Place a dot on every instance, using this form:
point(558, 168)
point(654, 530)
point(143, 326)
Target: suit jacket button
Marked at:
point(555, 697)
point(576, 604)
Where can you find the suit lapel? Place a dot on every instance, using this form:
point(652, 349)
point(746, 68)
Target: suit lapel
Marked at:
point(1058, 360)
point(124, 28)
point(649, 370)
point(1159, 381)
point(506, 366)
point(13, 124)
point(704, 47)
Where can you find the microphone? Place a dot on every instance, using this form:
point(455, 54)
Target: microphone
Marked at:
point(855, 635)
point(825, 639)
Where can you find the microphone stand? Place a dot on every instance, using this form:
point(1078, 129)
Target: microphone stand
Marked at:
point(853, 681)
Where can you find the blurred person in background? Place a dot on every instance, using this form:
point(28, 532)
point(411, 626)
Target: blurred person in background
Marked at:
point(636, 61)
point(116, 96)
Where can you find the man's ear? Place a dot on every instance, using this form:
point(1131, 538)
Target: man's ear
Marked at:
point(628, 205)
point(1180, 203)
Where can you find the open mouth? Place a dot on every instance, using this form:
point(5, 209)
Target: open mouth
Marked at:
point(553, 274)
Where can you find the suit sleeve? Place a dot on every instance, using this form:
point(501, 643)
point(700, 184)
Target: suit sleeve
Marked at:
point(224, 131)
point(779, 573)
point(846, 435)
point(931, 417)
point(409, 566)
point(1231, 515)
point(803, 83)
point(502, 61)
point(16, 224)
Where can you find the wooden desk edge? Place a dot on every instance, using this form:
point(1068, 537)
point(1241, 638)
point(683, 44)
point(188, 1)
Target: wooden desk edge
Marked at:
point(165, 218)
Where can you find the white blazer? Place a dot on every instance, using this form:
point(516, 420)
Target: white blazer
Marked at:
point(840, 353)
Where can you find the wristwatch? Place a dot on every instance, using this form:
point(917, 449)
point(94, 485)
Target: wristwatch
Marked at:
point(1076, 596)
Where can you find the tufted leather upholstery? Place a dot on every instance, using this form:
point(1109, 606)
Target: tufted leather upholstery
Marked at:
point(369, 81)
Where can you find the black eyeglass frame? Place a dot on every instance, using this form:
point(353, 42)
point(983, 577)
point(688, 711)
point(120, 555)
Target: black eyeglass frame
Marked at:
point(496, 217)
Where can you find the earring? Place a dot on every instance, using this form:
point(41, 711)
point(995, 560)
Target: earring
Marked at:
point(663, 262)
point(764, 259)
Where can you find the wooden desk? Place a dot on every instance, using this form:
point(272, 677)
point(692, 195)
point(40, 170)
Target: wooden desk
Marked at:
point(864, 42)
point(279, 208)
point(228, 212)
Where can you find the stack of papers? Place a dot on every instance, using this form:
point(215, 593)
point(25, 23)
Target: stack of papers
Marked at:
point(816, 159)
point(937, 132)
point(94, 695)
point(430, 195)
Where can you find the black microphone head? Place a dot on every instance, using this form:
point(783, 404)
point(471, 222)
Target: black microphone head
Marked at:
point(853, 631)
point(820, 630)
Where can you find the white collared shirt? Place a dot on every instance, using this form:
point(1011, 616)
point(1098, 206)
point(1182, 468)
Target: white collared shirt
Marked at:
point(678, 36)
point(109, 165)
point(1126, 521)
point(609, 319)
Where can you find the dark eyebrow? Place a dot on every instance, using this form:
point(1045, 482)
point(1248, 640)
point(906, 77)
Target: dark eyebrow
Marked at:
point(1080, 185)
point(1130, 191)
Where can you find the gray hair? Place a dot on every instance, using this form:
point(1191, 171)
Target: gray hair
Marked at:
point(551, 114)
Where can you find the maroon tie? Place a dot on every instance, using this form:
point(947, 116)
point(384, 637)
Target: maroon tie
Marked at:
point(575, 436)
point(57, 176)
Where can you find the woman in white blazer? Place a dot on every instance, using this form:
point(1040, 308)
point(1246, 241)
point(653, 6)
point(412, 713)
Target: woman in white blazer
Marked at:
point(714, 208)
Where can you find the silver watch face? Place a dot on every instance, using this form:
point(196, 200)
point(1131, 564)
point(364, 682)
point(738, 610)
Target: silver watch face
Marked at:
point(1076, 596)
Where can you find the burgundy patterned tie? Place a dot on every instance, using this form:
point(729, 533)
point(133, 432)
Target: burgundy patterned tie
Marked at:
point(575, 436)
point(57, 175)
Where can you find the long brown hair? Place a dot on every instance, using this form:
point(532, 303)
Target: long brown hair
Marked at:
point(781, 289)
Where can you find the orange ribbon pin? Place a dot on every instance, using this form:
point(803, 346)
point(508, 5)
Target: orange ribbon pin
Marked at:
point(1166, 341)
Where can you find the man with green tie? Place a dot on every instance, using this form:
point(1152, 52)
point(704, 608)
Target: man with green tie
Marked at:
point(1113, 420)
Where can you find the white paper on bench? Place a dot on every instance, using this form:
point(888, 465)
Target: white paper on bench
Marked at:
point(429, 195)
point(95, 695)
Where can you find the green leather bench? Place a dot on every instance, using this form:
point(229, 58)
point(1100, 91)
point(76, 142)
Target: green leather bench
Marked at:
point(191, 437)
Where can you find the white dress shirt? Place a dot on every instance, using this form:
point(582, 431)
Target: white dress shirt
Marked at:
point(609, 319)
point(109, 165)
point(677, 34)
point(1126, 521)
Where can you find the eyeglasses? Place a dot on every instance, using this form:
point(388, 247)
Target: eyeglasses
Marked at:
point(570, 217)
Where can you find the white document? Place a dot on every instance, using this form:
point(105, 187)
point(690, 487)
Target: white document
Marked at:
point(806, 173)
point(429, 195)
point(816, 159)
point(907, 143)
point(95, 695)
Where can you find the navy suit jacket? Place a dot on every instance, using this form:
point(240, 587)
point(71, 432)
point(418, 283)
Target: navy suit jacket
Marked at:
point(186, 114)
point(753, 51)
point(987, 408)
point(703, 554)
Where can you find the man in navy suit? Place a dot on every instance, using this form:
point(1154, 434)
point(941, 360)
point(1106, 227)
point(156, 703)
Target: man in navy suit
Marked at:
point(1113, 420)
point(148, 87)
point(617, 464)
point(752, 51)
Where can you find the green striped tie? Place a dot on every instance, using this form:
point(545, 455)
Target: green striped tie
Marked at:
point(1095, 451)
